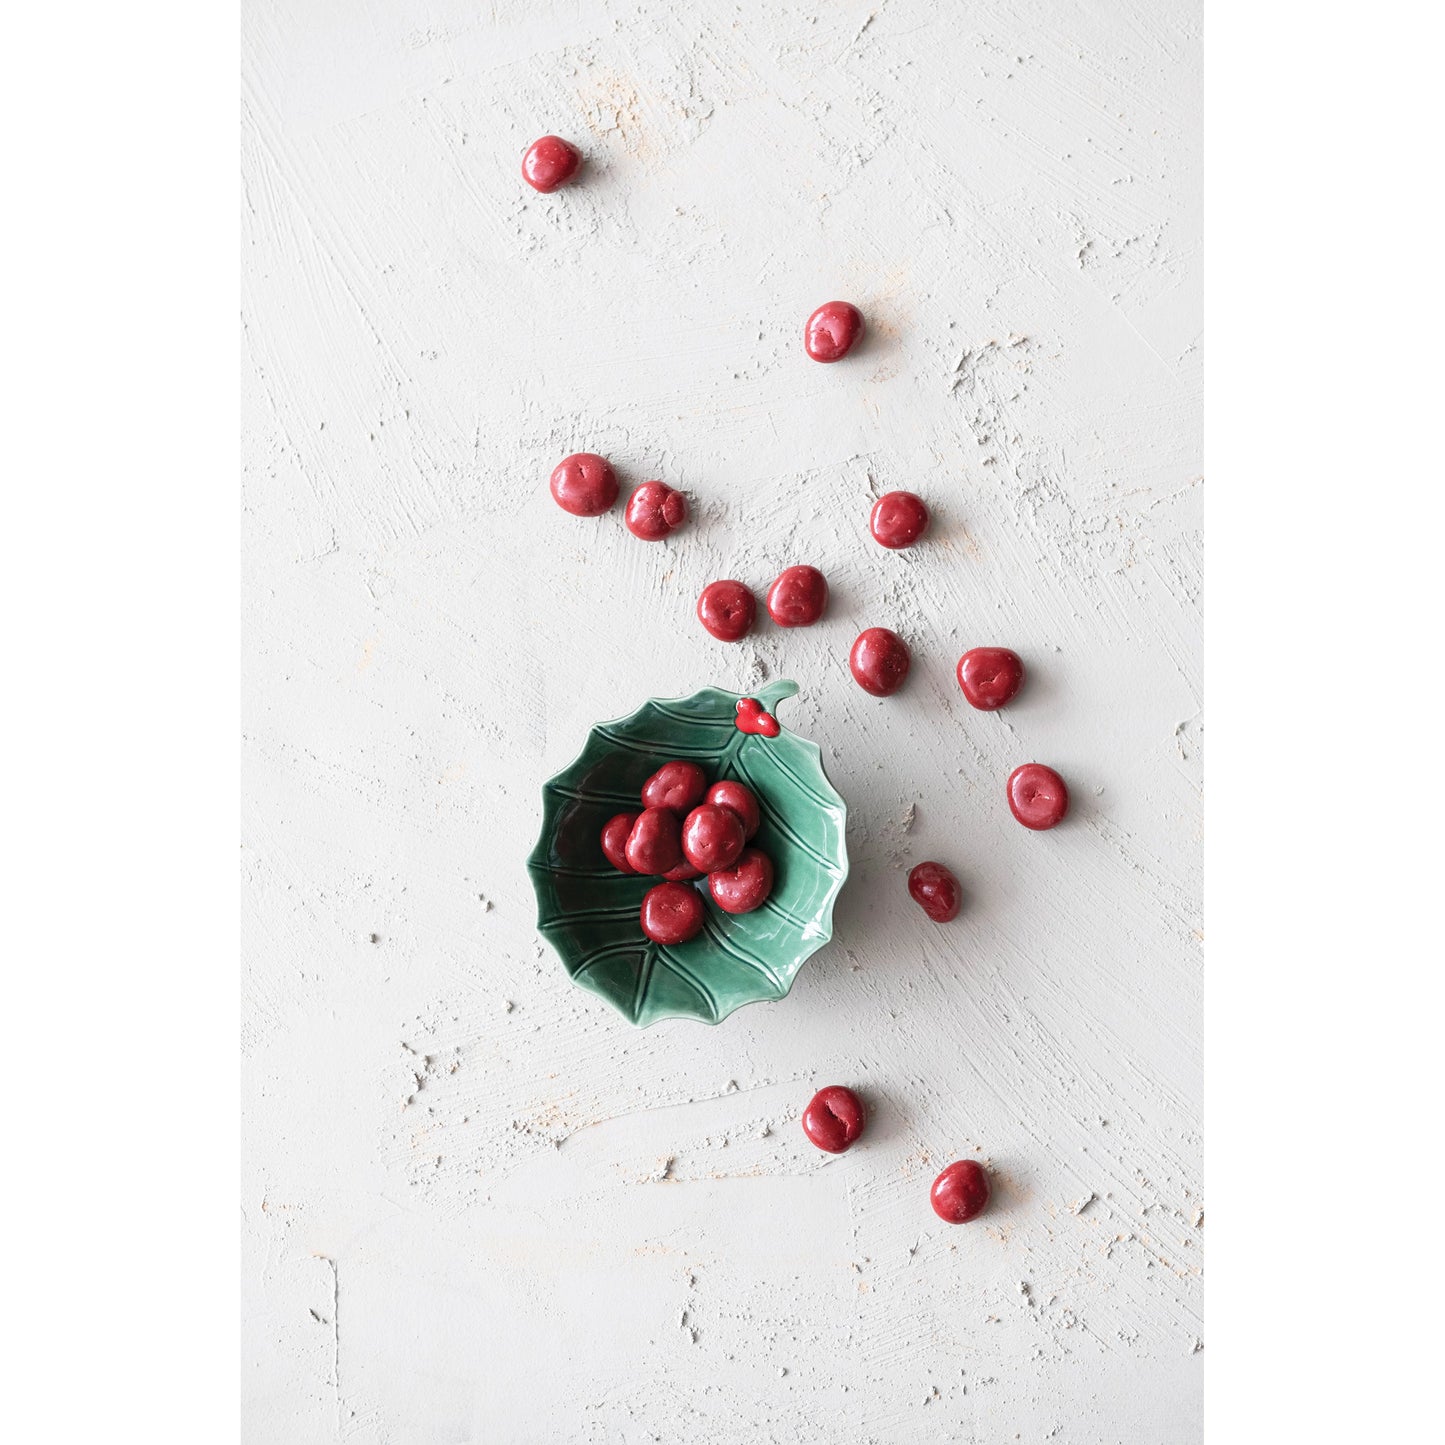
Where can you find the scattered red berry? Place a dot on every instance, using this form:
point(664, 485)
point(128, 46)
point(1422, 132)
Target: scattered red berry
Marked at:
point(655, 843)
point(990, 676)
point(712, 837)
point(1038, 796)
point(737, 798)
point(584, 484)
point(961, 1192)
point(676, 785)
point(935, 890)
point(549, 163)
point(832, 331)
point(727, 609)
point(798, 597)
point(671, 913)
point(654, 510)
point(834, 1119)
point(879, 661)
point(746, 885)
point(615, 833)
point(683, 873)
point(898, 519)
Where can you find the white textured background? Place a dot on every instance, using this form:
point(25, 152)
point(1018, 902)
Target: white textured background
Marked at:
point(478, 1206)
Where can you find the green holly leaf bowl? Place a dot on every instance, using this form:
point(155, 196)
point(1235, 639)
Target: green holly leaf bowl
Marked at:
point(589, 912)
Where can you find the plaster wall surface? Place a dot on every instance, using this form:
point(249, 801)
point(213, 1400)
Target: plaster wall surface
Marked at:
point(477, 1205)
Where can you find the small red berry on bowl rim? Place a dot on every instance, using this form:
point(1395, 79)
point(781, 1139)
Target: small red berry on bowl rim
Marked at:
point(879, 661)
point(798, 598)
point(712, 837)
point(898, 520)
point(1037, 796)
point(990, 676)
point(935, 890)
point(654, 510)
point(727, 609)
point(672, 913)
point(833, 330)
point(746, 885)
point(615, 833)
point(655, 843)
point(752, 719)
point(834, 1118)
point(584, 484)
point(961, 1192)
point(740, 799)
point(549, 163)
point(677, 785)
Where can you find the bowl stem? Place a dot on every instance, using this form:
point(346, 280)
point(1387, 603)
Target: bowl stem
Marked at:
point(779, 690)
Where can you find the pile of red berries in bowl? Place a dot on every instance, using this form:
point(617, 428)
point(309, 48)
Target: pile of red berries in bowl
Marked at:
point(687, 830)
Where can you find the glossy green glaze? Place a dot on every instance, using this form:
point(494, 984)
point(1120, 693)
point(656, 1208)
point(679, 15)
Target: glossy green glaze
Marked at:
point(588, 911)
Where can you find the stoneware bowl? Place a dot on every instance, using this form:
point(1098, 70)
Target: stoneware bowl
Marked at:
point(588, 911)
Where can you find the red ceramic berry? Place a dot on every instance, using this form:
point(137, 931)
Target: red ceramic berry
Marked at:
point(898, 519)
point(990, 676)
point(655, 843)
point(961, 1192)
point(683, 873)
point(615, 833)
point(745, 885)
point(1038, 796)
point(751, 719)
point(798, 597)
point(834, 1119)
point(727, 609)
point(935, 890)
point(549, 163)
point(879, 661)
point(832, 331)
point(672, 913)
point(739, 799)
point(676, 785)
point(712, 837)
point(584, 484)
point(654, 510)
